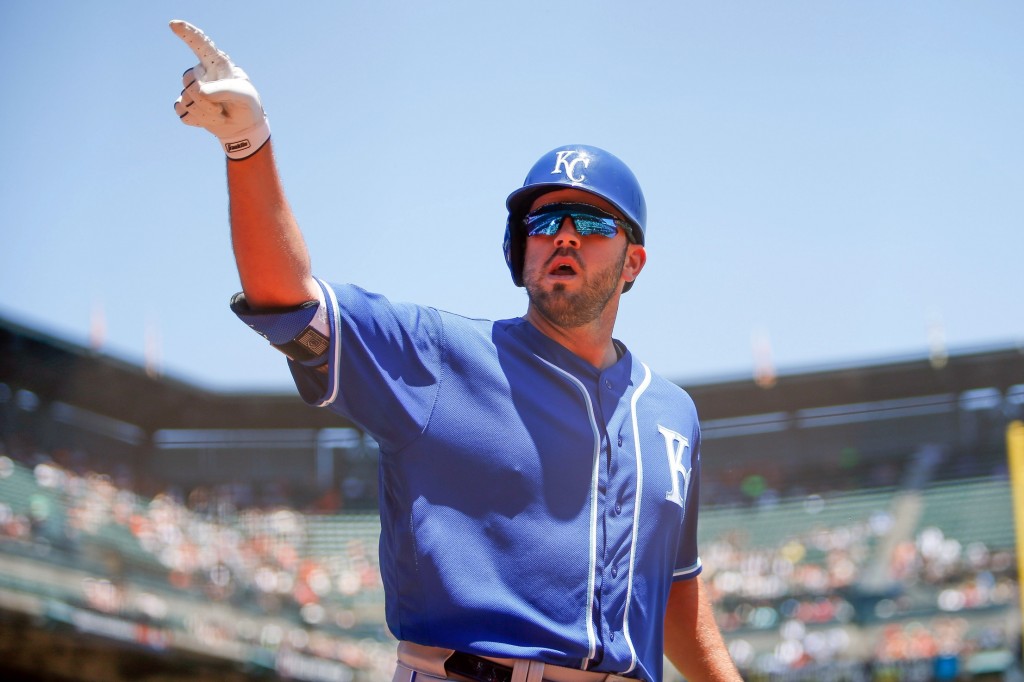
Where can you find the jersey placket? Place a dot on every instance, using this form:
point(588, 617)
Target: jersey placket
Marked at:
point(617, 492)
point(589, 384)
point(613, 493)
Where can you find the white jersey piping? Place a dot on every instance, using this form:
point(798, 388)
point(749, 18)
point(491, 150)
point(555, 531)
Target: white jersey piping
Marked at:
point(333, 378)
point(591, 629)
point(636, 510)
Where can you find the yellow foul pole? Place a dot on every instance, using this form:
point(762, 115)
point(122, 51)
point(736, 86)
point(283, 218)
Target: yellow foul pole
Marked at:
point(1015, 453)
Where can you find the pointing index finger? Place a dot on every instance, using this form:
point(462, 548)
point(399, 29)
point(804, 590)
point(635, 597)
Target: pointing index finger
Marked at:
point(212, 59)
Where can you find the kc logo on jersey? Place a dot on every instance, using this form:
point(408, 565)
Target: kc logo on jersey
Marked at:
point(675, 447)
point(566, 161)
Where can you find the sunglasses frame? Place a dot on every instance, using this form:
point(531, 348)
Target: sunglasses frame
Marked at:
point(548, 221)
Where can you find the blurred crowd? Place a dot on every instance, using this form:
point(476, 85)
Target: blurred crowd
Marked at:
point(254, 562)
point(327, 601)
point(808, 590)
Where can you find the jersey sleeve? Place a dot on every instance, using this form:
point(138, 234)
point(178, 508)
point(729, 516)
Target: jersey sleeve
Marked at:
point(688, 564)
point(383, 364)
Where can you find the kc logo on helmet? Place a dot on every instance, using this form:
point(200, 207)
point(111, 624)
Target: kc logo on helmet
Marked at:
point(566, 161)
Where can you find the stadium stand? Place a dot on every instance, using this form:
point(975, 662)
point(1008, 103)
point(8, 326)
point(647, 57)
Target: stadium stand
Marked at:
point(856, 524)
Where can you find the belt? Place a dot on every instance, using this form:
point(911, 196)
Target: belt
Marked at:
point(477, 668)
point(440, 664)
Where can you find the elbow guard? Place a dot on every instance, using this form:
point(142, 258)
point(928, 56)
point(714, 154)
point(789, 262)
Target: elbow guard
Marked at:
point(301, 332)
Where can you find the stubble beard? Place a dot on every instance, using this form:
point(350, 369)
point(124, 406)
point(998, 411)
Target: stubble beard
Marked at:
point(575, 309)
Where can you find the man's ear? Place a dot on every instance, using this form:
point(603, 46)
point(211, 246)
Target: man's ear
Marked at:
point(636, 258)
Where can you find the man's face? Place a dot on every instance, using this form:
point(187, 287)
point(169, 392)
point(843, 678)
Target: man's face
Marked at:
point(570, 279)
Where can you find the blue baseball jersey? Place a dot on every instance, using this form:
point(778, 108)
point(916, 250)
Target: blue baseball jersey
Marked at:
point(532, 505)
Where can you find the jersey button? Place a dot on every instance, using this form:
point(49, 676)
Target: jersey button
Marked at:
point(615, 571)
point(618, 508)
point(620, 441)
point(608, 384)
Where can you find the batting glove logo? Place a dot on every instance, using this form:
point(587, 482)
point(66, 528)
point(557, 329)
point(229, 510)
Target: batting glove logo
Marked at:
point(238, 146)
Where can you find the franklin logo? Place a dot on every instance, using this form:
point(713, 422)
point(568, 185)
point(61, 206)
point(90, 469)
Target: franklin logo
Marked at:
point(675, 447)
point(237, 146)
point(567, 162)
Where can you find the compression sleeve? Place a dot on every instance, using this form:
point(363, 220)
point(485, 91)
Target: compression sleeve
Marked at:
point(301, 332)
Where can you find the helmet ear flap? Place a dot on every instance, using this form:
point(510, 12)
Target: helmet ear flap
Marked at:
point(514, 247)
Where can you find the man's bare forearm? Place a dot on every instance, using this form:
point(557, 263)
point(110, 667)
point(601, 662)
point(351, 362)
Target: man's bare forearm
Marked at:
point(270, 251)
point(693, 642)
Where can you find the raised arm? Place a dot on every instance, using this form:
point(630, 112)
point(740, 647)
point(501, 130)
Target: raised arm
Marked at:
point(693, 642)
point(271, 255)
point(270, 252)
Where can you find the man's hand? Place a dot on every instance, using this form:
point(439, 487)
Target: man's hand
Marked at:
point(218, 96)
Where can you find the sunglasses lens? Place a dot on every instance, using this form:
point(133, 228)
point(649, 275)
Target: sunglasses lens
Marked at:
point(588, 220)
point(586, 225)
point(544, 225)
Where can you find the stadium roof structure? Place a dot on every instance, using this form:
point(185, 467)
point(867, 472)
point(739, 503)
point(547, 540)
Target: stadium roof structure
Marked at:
point(56, 370)
point(995, 367)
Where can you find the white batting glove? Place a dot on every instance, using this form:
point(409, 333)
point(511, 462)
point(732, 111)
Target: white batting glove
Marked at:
point(218, 96)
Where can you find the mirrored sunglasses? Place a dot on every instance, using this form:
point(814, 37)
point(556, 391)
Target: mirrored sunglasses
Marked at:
point(547, 220)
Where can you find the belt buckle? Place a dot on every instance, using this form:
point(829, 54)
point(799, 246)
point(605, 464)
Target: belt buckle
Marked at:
point(477, 669)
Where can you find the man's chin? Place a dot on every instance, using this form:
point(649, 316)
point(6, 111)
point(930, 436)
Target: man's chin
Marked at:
point(558, 307)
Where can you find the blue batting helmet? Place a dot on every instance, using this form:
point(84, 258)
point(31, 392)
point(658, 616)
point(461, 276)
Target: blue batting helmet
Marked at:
point(578, 166)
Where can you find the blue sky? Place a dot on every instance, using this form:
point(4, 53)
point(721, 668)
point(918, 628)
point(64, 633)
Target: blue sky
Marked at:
point(837, 177)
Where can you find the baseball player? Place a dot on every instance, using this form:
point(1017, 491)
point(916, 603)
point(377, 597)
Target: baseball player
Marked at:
point(539, 483)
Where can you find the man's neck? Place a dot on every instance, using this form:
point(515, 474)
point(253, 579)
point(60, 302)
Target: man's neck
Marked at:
point(591, 342)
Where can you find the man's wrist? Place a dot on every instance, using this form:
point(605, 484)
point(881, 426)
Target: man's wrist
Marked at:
point(247, 142)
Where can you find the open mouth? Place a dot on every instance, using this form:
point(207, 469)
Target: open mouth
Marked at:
point(564, 265)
